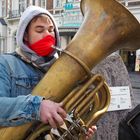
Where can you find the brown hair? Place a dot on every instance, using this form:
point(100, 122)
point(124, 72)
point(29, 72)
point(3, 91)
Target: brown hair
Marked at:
point(34, 20)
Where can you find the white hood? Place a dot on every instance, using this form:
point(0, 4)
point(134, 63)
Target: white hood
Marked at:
point(25, 19)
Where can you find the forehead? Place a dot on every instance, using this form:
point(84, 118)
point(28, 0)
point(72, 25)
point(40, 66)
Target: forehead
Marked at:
point(42, 18)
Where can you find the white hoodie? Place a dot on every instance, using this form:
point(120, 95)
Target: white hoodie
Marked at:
point(25, 19)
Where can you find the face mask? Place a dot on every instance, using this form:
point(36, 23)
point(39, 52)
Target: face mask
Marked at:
point(43, 47)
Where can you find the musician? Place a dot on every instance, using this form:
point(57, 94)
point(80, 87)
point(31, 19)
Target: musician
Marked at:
point(22, 70)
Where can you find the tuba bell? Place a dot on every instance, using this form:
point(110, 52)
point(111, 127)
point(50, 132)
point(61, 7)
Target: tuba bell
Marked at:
point(107, 27)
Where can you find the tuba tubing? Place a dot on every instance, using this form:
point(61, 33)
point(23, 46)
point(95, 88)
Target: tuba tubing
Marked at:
point(107, 27)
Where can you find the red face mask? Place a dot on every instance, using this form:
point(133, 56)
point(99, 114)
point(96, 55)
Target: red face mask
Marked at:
point(43, 47)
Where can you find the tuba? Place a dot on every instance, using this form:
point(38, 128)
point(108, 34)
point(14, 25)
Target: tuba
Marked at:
point(107, 27)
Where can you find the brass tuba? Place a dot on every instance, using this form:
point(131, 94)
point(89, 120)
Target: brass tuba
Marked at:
point(107, 27)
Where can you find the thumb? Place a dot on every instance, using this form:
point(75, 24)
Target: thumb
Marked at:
point(61, 104)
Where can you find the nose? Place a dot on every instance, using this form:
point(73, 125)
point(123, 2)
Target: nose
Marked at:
point(46, 32)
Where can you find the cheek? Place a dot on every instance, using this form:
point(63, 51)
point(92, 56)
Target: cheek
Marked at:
point(53, 34)
point(34, 38)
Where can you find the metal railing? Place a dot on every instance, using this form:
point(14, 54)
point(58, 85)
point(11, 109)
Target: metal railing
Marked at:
point(67, 18)
point(130, 3)
point(63, 14)
point(15, 13)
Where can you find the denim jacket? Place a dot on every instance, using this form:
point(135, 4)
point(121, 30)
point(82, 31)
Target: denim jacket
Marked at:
point(17, 79)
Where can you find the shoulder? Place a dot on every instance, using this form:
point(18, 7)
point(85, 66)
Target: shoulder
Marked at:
point(10, 59)
point(5, 57)
point(11, 62)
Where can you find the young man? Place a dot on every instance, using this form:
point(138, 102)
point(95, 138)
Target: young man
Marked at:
point(20, 73)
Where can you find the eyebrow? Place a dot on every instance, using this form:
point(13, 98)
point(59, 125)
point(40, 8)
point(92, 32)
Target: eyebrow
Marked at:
point(42, 27)
point(39, 26)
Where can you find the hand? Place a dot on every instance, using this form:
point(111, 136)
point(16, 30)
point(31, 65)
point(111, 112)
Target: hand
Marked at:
point(91, 132)
point(52, 113)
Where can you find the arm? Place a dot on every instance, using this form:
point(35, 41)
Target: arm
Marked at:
point(25, 108)
point(21, 109)
point(15, 110)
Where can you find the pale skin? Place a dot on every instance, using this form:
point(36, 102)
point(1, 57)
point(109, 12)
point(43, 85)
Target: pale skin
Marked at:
point(50, 112)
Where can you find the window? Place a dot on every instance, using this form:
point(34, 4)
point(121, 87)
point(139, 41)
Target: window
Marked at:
point(42, 3)
point(130, 2)
point(135, 3)
point(14, 40)
point(22, 5)
point(57, 4)
point(2, 44)
point(33, 2)
point(3, 4)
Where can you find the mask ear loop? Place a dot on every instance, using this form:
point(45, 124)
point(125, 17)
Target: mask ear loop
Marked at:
point(82, 64)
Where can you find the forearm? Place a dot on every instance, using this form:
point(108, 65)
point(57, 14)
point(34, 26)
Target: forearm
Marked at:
point(19, 110)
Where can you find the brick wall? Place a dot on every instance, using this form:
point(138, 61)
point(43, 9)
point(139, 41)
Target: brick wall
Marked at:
point(49, 4)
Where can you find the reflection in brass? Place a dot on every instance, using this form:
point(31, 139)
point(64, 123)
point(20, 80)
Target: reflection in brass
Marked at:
point(107, 27)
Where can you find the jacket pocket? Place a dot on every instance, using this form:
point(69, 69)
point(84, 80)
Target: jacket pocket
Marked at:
point(24, 86)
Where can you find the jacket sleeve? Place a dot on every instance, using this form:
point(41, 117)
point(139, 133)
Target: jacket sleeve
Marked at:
point(16, 110)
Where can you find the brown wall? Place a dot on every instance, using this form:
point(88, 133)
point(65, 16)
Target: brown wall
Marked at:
point(49, 4)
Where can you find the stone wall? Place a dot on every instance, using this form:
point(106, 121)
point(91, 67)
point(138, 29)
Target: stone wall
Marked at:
point(115, 73)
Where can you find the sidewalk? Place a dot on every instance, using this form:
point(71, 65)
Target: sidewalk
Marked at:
point(135, 81)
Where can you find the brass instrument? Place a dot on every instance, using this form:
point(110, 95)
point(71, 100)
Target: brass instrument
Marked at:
point(107, 27)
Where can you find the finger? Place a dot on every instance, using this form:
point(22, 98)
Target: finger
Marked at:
point(94, 128)
point(52, 122)
point(62, 112)
point(58, 119)
point(60, 104)
point(90, 131)
point(87, 137)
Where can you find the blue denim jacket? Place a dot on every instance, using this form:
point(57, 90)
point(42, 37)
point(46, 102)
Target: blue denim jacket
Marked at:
point(17, 79)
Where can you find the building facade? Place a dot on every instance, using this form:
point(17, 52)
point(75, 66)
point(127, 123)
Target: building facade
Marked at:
point(66, 13)
point(11, 11)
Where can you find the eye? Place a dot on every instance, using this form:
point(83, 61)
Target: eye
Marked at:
point(51, 29)
point(39, 30)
